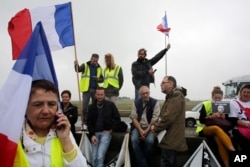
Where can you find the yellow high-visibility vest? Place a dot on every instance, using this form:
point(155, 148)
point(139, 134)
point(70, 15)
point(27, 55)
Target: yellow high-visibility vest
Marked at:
point(56, 160)
point(85, 77)
point(111, 77)
point(208, 108)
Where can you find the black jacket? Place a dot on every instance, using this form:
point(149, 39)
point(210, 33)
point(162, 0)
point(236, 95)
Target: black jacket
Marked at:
point(140, 75)
point(72, 115)
point(112, 116)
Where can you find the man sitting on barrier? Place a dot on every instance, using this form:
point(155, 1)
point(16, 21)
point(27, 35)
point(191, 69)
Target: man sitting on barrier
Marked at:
point(145, 111)
point(102, 116)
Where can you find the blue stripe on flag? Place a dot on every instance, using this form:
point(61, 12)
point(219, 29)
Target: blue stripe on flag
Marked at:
point(35, 59)
point(165, 22)
point(64, 24)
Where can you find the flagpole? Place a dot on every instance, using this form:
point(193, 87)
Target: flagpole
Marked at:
point(165, 57)
point(76, 59)
point(166, 54)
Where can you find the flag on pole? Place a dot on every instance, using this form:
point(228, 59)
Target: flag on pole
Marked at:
point(57, 23)
point(35, 62)
point(163, 27)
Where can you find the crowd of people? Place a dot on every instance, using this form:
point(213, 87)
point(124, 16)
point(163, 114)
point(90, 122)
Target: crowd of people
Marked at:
point(230, 141)
point(147, 119)
point(50, 122)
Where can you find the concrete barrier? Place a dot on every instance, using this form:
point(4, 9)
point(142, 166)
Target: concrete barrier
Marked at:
point(193, 143)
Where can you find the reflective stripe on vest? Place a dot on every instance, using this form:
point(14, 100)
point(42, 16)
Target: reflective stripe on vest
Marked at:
point(85, 78)
point(208, 109)
point(56, 160)
point(111, 77)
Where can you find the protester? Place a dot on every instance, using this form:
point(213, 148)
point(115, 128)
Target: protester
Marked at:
point(142, 69)
point(46, 139)
point(102, 116)
point(238, 117)
point(113, 78)
point(145, 111)
point(221, 138)
point(171, 119)
point(69, 110)
point(90, 78)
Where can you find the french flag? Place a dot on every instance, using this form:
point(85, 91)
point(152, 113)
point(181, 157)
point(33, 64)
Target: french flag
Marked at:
point(163, 27)
point(57, 22)
point(35, 62)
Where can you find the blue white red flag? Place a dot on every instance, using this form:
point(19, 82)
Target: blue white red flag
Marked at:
point(163, 27)
point(35, 62)
point(57, 23)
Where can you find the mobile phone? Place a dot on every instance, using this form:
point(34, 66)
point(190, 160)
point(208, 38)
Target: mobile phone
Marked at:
point(56, 117)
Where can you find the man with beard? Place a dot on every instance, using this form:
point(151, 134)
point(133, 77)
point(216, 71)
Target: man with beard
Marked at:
point(142, 69)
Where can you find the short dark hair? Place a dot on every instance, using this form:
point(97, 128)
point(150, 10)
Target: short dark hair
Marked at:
point(67, 92)
point(43, 84)
point(95, 55)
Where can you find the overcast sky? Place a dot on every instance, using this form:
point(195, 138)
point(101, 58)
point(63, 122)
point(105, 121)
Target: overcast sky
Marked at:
point(210, 40)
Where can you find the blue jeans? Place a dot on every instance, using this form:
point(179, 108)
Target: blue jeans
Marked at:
point(168, 158)
point(85, 102)
point(100, 149)
point(142, 148)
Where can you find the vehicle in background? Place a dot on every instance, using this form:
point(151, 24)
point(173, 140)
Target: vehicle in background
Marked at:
point(233, 85)
point(193, 115)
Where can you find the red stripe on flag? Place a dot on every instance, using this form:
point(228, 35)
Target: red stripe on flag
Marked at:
point(8, 151)
point(20, 29)
point(164, 30)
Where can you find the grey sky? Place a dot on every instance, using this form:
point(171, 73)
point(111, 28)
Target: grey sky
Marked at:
point(210, 40)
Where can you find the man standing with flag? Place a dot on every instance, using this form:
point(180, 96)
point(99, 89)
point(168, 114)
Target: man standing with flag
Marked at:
point(35, 108)
point(142, 69)
point(91, 77)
